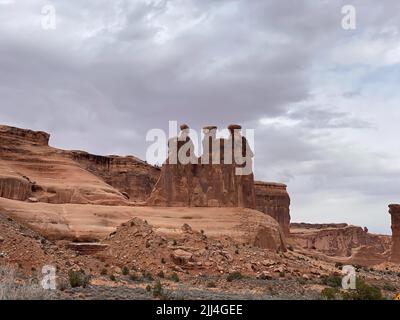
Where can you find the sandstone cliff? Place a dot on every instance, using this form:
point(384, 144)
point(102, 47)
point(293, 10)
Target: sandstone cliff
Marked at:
point(130, 175)
point(341, 240)
point(79, 196)
point(273, 199)
point(394, 210)
point(31, 169)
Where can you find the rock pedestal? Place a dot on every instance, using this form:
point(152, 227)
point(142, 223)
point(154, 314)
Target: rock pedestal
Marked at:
point(273, 199)
point(394, 210)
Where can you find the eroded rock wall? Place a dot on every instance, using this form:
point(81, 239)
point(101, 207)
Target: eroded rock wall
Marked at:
point(30, 168)
point(337, 239)
point(394, 210)
point(273, 199)
point(130, 175)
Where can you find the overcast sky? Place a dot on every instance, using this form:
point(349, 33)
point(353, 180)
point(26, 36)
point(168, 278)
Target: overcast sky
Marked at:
point(324, 101)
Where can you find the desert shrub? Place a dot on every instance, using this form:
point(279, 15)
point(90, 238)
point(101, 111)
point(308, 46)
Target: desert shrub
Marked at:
point(103, 272)
point(161, 274)
point(174, 277)
point(163, 260)
point(11, 289)
point(112, 277)
point(148, 288)
point(234, 276)
point(125, 271)
point(147, 275)
point(174, 243)
point(282, 274)
point(363, 291)
point(211, 284)
point(290, 248)
point(158, 290)
point(330, 293)
point(78, 278)
point(332, 281)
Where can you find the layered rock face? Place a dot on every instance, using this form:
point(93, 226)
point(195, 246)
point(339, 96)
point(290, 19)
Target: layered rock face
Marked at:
point(85, 223)
point(130, 175)
point(273, 199)
point(208, 181)
point(341, 240)
point(394, 210)
point(83, 197)
point(31, 169)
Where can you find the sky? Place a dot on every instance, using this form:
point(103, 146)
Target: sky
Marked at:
point(323, 100)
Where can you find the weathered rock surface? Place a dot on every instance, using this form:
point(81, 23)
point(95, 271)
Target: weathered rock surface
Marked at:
point(89, 223)
point(30, 168)
point(273, 199)
point(339, 240)
point(203, 185)
point(133, 177)
point(394, 210)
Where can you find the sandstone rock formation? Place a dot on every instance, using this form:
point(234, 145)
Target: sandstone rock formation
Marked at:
point(85, 223)
point(273, 199)
point(211, 181)
point(394, 210)
point(339, 240)
point(131, 176)
point(49, 190)
point(30, 168)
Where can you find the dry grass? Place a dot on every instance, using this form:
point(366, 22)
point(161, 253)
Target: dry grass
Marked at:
point(12, 288)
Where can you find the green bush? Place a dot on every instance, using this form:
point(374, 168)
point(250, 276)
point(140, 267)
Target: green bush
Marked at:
point(174, 277)
point(147, 275)
point(363, 291)
point(125, 271)
point(158, 290)
point(234, 276)
point(78, 278)
point(332, 281)
point(329, 293)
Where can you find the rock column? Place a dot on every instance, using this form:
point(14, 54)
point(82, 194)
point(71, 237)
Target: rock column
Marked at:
point(394, 210)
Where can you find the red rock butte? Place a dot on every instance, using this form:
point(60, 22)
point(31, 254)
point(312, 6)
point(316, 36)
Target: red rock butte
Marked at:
point(80, 196)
